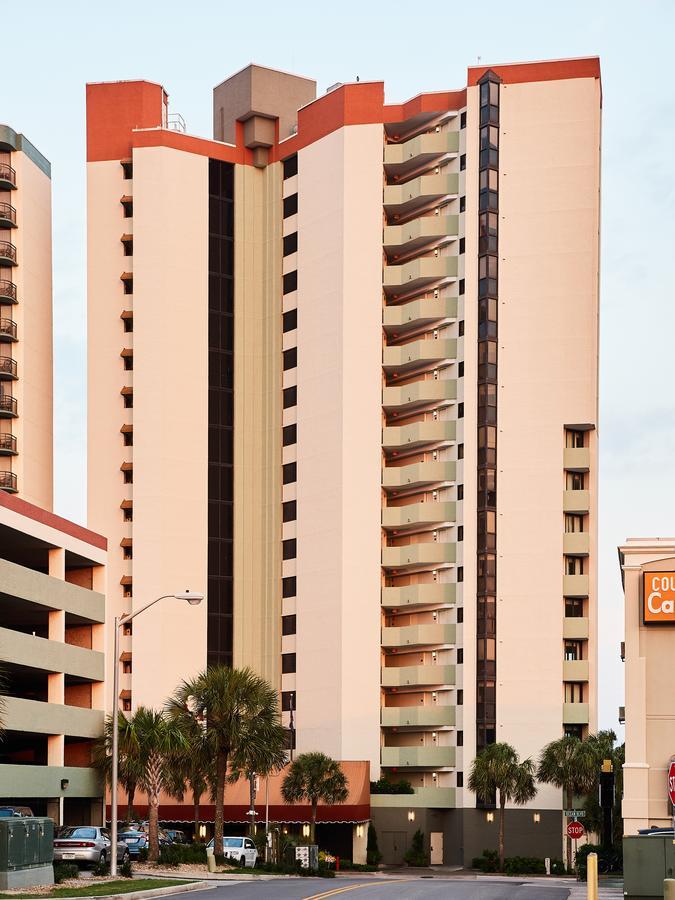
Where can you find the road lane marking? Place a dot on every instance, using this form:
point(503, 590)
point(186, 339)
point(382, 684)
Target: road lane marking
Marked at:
point(356, 887)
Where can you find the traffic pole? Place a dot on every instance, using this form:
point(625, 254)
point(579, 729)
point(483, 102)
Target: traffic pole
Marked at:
point(592, 876)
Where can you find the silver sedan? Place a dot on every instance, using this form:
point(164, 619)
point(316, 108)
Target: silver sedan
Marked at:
point(86, 844)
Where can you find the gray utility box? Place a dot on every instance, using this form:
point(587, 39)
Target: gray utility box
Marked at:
point(26, 852)
point(647, 861)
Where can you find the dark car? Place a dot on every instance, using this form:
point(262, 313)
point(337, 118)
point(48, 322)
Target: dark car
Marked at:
point(176, 836)
point(135, 841)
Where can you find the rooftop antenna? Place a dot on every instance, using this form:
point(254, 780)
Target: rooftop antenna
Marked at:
point(478, 60)
point(357, 78)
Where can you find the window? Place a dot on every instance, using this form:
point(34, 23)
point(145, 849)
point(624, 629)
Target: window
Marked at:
point(462, 204)
point(127, 168)
point(290, 166)
point(460, 656)
point(289, 511)
point(289, 435)
point(290, 320)
point(460, 410)
point(127, 553)
point(460, 451)
point(290, 282)
point(128, 437)
point(290, 205)
point(462, 285)
point(574, 439)
point(462, 245)
point(288, 624)
point(573, 650)
point(574, 693)
point(128, 401)
point(288, 663)
point(128, 324)
point(573, 524)
point(460, 738)
point(460, 328)
point(460, 532)
point(460, 779)
point(462, 120)
point(460, 697)
point(575, 481)
point(128, 207)
point(289, 548)
point(128, 476)
point(289, 586)
point(126, 667)
point(126, 705)
point(460, 491)
point(128, 363)
point(290, 358)
point(287, 701)
point(291, 243)
point(128, 247)
point(574, 608)
point(128, 285)
point(290, 396)
point(462, 162)
point(128, 514)
point(290, 473)
point(460, 615)
point(574, 565)
point(460, 573)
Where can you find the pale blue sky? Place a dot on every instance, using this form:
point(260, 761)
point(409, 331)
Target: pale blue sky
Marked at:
point(51, 49)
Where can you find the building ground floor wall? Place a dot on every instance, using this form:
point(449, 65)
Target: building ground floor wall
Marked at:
point(456, 836)
point(69, 795)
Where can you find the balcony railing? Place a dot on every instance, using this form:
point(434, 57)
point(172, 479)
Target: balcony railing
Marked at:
point(8, 482)
point(8, 407)
point(7, 254)
point(7, 291)
point(7, 176)
point(7, 215)
point(7, 444)
point(7, 330)
point(8, 367)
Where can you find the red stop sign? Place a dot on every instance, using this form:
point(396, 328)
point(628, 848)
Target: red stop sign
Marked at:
point(575, 830)
point(671, 781)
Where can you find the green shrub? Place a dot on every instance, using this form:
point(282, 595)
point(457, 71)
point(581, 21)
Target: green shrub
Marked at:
point(126, 870)
point(373, 855)
point(488, 862)
point(417, 855)
point(143, 854)
point(516, 865)
point(608, 860)
point(102, 869)
point(63, 871)
point(384, 786)
point(170, 856)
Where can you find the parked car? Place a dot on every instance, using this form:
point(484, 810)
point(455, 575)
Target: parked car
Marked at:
point(239, 849)
point(655, 831)
point(86, 844)
point(7, 812)
point(135, 841)
point(176, 836)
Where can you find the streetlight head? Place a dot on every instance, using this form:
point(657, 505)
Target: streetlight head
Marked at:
point(192, 597)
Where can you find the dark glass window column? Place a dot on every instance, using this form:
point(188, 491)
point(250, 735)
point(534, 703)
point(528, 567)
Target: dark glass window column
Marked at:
point(488, 269)
point(221, 412)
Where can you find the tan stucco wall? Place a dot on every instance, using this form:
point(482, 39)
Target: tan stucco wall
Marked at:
point(339, 435)
point(257, 417)
point(547, 369)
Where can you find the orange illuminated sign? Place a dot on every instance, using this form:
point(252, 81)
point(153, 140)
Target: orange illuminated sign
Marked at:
point(658, 593)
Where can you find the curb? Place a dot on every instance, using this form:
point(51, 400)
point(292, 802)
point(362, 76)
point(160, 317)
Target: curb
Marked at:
point(152, 892)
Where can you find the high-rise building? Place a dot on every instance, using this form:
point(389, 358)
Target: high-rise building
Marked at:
point(343, 376)
point(25, 320)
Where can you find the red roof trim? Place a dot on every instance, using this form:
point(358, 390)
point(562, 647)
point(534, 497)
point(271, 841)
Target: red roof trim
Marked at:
point(547, 70)
point(238, 814)
point(44, 517)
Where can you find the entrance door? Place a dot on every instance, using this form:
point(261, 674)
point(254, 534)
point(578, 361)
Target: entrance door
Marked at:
point(436, 848)
point(394, 846)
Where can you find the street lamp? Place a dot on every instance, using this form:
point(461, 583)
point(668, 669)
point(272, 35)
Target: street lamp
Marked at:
point(193, 599)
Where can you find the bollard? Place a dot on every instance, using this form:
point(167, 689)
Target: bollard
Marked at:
point(547, 865)
point(210, 860)
point(669, 889)
point(592, 876)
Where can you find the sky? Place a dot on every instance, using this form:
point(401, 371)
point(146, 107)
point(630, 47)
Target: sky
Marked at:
point(53, 49)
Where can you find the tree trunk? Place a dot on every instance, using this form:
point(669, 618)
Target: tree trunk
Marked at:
point(131, 793)
point(502, 803)
point(312, 827)
point(153, 827)
point(569, 799)
point(196, 797)
point(251, 805)
point(221, 772)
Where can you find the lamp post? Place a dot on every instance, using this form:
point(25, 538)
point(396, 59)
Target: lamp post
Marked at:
point(193, 599)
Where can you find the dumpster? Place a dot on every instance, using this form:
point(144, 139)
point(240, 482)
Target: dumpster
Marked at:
point(26, 851)
point(647, 861)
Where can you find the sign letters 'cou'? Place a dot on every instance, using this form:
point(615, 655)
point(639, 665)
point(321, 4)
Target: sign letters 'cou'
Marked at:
point(659, 598)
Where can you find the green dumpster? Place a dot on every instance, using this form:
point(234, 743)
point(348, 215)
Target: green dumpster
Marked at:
point(26, 851)
point(647, 861)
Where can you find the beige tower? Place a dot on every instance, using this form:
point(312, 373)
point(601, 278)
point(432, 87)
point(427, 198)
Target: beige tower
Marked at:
point(359, 345)
point(25, 320)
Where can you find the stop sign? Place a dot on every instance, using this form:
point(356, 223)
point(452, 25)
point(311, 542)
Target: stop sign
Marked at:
point(575, 830)
point(671, 781)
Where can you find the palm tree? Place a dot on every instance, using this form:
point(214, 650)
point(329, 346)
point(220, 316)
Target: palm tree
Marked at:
point(314, 777)
point(223, 703)
point(188, 770)
point(127, 756)
point(571, 764)
point(499, 768)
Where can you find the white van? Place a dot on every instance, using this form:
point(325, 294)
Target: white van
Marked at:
point(239, 849)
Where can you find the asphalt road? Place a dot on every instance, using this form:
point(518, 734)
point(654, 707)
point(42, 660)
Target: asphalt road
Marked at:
point(376, 889)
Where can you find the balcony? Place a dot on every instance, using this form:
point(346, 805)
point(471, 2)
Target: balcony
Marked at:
point(7, 216)
point(575, 628)
point(417, 676)
point(52, 718)
point(575, 714)
point(7, 177)
point(402, 200)
point(51, 656)
point(418, 353)
point(418, 233)
point(418, 514)
point(419, 394)
point(8, 407)
point(418, 434)
point(426, 797)
point(432, 553)
point(419, 474)
point(577, 459)
point(7, 292)
point(7, 331)
point(8, 445)
point(418, 314)
point(418, 716)
point(417, 274)
point(575, 585)
point(8, 482)
point(418, 757)
point(413, 596)
point(576, 501)
point(421, 149)
point(7, 254)
point(8, 370)
point(575, 670)
point(577, 543)
point(431, 635)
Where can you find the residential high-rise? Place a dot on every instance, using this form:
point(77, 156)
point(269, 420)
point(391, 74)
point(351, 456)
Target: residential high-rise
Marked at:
point(25, 320)
point(343, 376)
